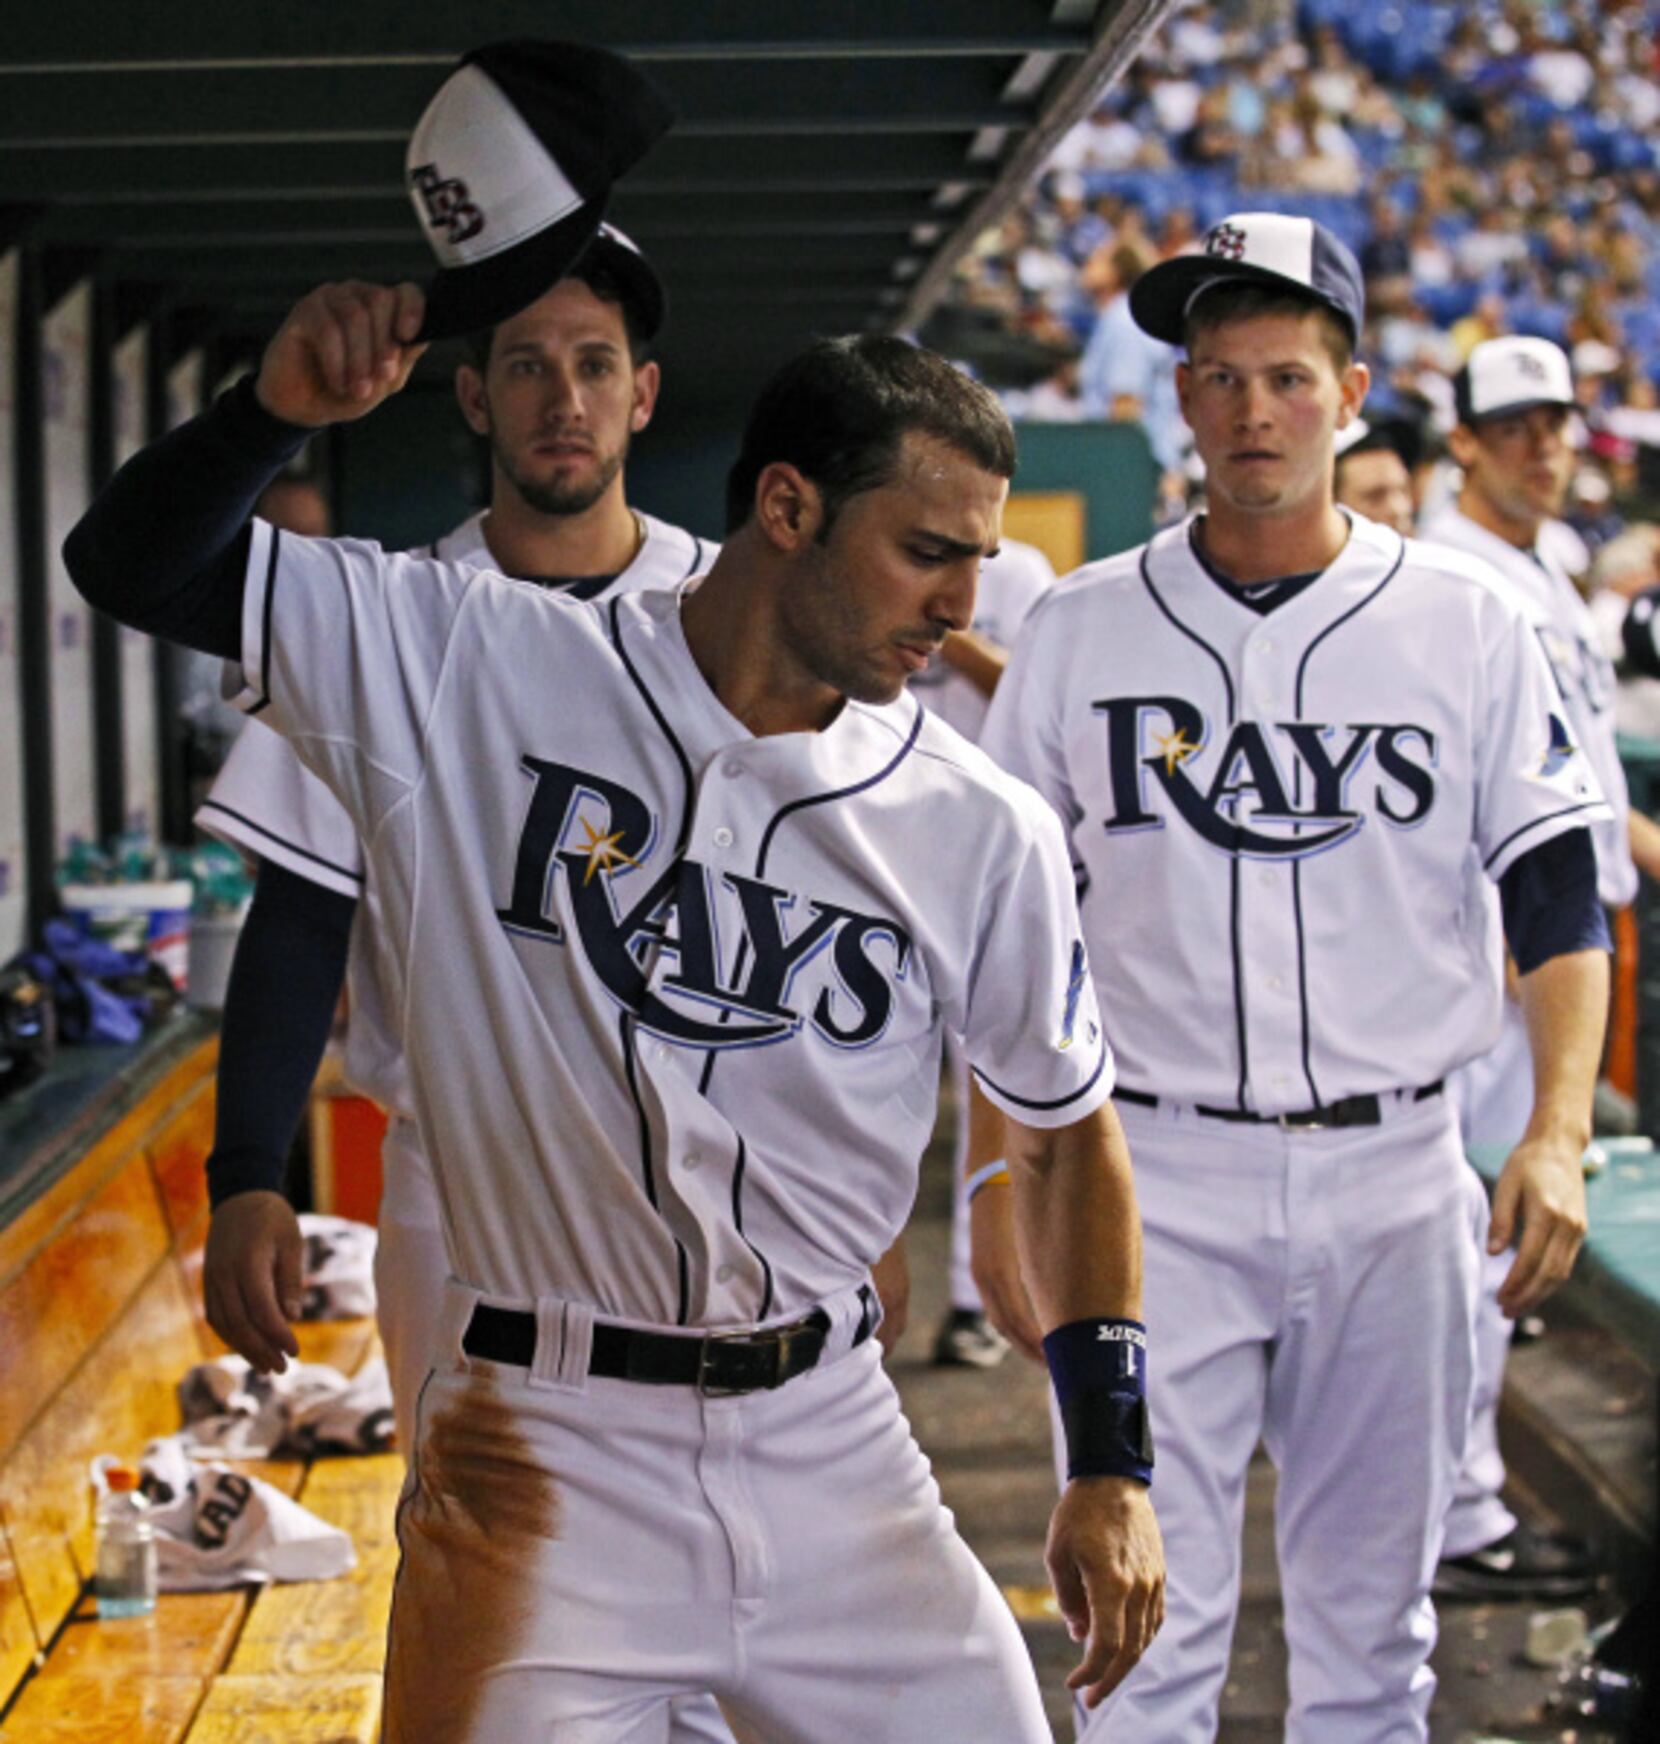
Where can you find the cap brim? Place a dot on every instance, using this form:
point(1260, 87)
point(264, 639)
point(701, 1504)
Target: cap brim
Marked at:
point(1160, 298)
point(467, 299)
point(1510, 409)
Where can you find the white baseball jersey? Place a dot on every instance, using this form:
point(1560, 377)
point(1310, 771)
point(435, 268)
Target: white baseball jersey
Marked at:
point(268, 804)
point(1584, 674)
point(671, 995)
point(1273, 816)
point(1011, 583)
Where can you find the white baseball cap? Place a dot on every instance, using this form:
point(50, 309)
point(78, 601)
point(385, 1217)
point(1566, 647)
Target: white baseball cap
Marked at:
point(1512, 375)
point(510, 167)
point(1266, 248)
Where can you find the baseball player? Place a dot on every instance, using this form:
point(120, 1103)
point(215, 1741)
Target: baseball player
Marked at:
point(958, 689)
point(1371, 477)
point(558, 391)
point(681, 891)
point(1514, 399)
point(1290, 749)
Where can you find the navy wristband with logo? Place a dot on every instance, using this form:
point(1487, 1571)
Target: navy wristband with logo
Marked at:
point(1099, 1368)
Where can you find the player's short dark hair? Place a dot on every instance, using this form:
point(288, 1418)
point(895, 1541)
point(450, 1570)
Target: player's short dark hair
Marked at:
point(606, 285)
point(839, 411)
point(1241, 300)
point(1370, 443)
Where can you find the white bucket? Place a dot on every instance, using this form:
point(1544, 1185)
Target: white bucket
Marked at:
point(212, 947)
point(152, 917)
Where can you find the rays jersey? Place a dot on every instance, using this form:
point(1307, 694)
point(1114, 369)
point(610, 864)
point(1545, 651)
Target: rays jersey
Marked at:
point(1282, 822)
point(1011, 583)
point(671, 995)
point(1584, 675)
point(266, 803)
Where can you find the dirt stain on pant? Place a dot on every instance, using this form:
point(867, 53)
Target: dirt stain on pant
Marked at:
point(482, 1508)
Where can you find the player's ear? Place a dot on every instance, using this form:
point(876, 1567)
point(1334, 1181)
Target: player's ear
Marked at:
point(1461, 445)
point(469, 395)
point(1355, 384)
point(648, 379)
point(788, 507)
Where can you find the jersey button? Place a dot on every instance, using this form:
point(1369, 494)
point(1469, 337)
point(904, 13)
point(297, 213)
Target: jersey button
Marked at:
point(723, 1274)
point(732, 768)
point(694, 1161)
point(723, 837)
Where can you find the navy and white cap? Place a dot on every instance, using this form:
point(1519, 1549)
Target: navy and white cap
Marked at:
point(1512, 375)
point(510, 168)
point(1265, 248)
point(642, 290)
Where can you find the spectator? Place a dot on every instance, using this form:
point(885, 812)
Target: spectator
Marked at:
point(1487, 320)
point(1128, 377)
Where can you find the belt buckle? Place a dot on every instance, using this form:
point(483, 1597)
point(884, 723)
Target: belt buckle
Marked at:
point(1304, 1122)
point(769, 1348)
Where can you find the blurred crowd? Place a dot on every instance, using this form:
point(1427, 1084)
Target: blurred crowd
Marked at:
point(1495, 165)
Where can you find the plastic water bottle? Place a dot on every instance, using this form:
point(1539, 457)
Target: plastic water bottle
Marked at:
point(126, 1572)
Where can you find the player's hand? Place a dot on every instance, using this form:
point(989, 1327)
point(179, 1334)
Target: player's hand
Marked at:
point(251, 1278)
point(1542, 1189)
point(342, 350)
point(1106, 1560)
point(892, 1277)
point(995, 1265)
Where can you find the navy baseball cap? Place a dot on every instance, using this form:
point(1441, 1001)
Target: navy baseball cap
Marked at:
point(1264, 248)
point(510, 168)
point(1512, 375)
point(642, 290)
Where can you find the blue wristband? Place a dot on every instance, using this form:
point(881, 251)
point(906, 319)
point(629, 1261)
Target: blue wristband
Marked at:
point(1099, 1368)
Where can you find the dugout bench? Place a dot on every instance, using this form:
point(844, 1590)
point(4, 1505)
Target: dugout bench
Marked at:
point(1615, 1287)
point(103, 1216)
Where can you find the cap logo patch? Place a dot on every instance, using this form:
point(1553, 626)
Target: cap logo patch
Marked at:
point(1227, 241)
point(1530, 366)
point(448, 204)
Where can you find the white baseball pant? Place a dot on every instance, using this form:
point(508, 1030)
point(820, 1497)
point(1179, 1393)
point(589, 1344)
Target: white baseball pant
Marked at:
point(1494, 1098)
point(1315, 1290)
point(410, 1269)
point(578, 1551)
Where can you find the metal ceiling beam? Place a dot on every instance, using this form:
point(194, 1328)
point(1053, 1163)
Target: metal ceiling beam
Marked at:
point(74, 108)
point(389, 32)
point(1122, 27)
point(327, 170)
point(296, 222)
point(863, 259)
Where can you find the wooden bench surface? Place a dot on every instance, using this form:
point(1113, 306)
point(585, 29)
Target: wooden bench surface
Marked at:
point(292, 1664)
point(100, 1317)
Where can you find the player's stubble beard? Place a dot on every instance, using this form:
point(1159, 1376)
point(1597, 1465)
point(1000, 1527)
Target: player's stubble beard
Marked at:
point(827, 634)
point(560, 500)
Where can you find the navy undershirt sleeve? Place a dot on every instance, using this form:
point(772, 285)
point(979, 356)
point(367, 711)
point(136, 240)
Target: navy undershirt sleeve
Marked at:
point(164, 547)
point(1549, 897)
point(285, 982)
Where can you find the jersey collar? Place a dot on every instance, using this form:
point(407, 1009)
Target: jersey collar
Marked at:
point(858, 745)
point(1174, 572)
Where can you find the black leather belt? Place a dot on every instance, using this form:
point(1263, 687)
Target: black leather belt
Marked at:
point(716, 1363)
point(1365, 1110)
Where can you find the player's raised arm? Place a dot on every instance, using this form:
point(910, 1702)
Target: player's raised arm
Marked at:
point(164, 546)
point(343, 350)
